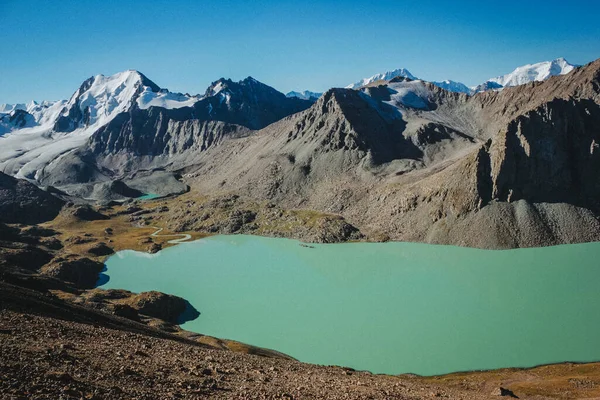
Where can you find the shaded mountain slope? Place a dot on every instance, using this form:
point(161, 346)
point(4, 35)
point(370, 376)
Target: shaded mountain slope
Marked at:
point(23, 202)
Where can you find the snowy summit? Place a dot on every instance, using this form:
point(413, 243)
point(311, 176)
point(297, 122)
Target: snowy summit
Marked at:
point(385, 76)
point(535, 72)
point(305, 95)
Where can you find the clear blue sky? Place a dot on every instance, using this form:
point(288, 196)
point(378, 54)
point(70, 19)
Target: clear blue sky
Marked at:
point(49, 47)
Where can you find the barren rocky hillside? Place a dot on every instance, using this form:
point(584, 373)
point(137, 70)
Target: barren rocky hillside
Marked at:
point(431, 168)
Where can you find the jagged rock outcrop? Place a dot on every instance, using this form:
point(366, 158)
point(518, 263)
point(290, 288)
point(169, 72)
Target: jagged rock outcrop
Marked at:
point(550, 155)
point(159, 132)
point(81, 272)
point(249, 103)
point(159, 305)
point(343, 119)
point(228, 109)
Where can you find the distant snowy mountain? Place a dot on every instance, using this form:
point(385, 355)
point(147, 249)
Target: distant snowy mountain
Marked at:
point(453, 86)
point(305, 95)
point(16, 119)
point(535, 72)
point(40, 112)
point(487, 85)
point(8, 108)
point(385, 76)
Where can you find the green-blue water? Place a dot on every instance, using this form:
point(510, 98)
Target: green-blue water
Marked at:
point(148, 196)
point(384, 307)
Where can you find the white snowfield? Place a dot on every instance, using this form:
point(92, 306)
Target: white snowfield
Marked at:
point(535, 72)
point(164, 99)
point(8, 108)
point(24, 153)
point(41, 112)
point(412, 94)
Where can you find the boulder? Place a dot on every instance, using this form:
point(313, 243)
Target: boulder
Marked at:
point(500, 391)
point(154, 248)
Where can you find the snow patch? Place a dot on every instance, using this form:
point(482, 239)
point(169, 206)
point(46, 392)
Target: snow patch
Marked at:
point(412, 94)
point(216, 89)
point(165, 99)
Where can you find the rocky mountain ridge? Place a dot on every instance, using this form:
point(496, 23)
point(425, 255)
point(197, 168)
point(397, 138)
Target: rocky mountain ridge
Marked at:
point(532, 162)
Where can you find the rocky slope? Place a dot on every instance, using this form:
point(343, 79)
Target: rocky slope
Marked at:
point(83, 353)
point(24, 202)
point(410, 161)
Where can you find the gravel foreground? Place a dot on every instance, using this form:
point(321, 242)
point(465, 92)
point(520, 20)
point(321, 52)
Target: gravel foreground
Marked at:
point(46, 358)
point(51, 349)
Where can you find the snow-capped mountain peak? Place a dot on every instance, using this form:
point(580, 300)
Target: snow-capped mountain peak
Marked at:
point(217, 87)
point(385, 76)
point(8, 108)
point(453, 86)
point(304, 95)
point(42, 113)
point(100, 98)
point(248, 87)
point(535, 72)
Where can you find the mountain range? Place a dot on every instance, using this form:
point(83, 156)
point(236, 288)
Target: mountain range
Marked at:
point(521, 75)
point(397, 157)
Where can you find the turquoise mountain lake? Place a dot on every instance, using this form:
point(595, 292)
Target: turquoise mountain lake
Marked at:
point(384, 307)
point(148, 196)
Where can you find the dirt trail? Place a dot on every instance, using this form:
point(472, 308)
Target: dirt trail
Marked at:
point(184, 236)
